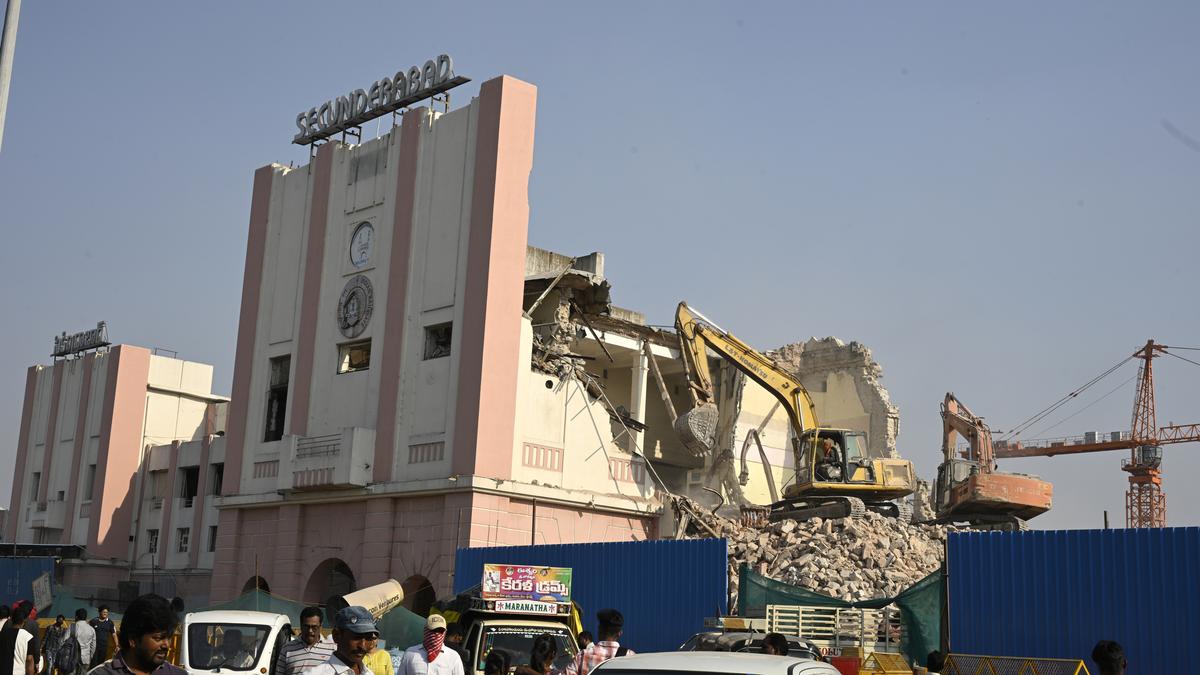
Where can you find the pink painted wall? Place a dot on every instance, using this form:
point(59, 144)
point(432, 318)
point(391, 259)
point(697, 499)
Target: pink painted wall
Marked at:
point(84, 575)
point(120, 452)
point(199, 536)
point(243, 364)
point(503, 521)
point(393, 538)
point(310, 301)
point(15, 516)
point(51, 431)
point(490, 358)
point(393, 327)
point(73, 501)
point(166, 537)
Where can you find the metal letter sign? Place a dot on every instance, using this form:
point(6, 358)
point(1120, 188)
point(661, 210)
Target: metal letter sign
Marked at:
point(65, 345)
point(384, 96)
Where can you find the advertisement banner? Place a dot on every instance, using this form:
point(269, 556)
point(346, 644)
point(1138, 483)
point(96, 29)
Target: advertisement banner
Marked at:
point(524, 582)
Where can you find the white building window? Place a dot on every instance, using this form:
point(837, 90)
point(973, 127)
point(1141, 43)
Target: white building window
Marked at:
point(354, 356)
point(184, 533)
point(212, 538)
point(152, 541)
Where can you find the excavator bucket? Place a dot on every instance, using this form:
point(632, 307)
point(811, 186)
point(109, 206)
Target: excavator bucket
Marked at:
point(697, 429)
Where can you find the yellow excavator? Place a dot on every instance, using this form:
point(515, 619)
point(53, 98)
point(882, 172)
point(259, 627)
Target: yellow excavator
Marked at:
point(835, 475)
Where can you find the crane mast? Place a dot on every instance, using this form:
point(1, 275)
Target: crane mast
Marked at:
point(1145, 501)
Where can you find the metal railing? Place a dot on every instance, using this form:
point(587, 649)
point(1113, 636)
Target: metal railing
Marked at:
point(156, 503)
point(316, 446)
point(974, 664)
point(838, 627)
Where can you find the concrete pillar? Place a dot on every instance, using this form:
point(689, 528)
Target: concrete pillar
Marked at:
point(637, 394)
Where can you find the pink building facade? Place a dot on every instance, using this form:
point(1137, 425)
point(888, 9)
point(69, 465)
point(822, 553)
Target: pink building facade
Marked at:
point(384, 409)
point(87, 427)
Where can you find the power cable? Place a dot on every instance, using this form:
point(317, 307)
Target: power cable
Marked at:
point(1046, 412)
point(1110, 393)
point(1194, 363)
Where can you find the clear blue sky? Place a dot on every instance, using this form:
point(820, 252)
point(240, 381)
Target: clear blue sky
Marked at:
point(1000, 200)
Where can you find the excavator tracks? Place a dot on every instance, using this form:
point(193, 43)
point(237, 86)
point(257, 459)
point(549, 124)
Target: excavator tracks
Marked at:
point(836, 507)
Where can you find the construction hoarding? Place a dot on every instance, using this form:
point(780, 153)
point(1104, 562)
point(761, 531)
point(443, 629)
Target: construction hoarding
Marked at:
point(1055, 594)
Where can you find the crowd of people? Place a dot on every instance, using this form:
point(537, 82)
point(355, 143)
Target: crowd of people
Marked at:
point(143, 644)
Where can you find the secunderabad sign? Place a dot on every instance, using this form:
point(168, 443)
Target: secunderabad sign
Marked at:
point(385, 95)
point(66, 345)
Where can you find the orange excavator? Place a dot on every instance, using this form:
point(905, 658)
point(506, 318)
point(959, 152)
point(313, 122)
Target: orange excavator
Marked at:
point(969, 489)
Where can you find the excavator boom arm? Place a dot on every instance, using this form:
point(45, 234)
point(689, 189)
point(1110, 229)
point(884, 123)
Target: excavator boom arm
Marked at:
point(695, 333)
point(958, 419)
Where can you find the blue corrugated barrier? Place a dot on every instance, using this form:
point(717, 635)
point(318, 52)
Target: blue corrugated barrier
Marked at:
point(664, 588)
point(1055, 594)
point(17, 575)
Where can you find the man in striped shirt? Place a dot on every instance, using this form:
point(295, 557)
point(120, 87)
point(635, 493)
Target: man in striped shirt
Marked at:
point(607, 647)
point(310, 650)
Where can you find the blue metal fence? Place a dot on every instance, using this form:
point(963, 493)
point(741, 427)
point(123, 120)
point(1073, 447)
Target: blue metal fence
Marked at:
point(1055, 594)
point(17, 575)
point(664, 588)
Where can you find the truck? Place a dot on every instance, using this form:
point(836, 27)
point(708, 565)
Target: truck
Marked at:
point(511, 607)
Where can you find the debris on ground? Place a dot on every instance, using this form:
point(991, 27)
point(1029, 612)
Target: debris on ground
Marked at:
point(848, 558)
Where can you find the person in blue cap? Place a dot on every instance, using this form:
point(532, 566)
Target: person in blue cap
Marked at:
point(354, 633)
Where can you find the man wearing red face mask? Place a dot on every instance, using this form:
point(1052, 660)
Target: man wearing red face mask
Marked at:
point(431, 657)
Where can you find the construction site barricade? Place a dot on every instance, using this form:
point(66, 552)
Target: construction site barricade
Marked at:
point(921, 606)
point(840, 631)
point(885, 664)
point(846, 665)
point(974, 664)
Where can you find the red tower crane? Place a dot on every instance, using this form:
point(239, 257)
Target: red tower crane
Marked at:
point(1145, 502)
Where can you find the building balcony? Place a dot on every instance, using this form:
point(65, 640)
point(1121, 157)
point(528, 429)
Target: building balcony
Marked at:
point(332, 461)
point(51, 515)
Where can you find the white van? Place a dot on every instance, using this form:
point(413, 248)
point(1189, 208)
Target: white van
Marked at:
point(232, 641)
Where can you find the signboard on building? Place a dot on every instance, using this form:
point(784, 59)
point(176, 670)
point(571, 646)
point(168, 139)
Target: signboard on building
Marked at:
point(385, 95)
point(66, 345)
point(528, 583)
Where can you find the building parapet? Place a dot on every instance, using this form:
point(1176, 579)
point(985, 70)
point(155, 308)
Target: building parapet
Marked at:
point(329, 461)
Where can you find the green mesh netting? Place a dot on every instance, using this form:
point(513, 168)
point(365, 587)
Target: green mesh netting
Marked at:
point(920, 606)
point(66, 602)
point(401, 628)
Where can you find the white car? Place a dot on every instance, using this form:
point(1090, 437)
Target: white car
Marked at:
point(721, 663)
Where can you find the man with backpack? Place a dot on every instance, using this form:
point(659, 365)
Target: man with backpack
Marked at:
point(74, 655)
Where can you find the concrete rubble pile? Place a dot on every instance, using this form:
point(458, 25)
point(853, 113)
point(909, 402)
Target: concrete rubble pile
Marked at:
point(848, 558)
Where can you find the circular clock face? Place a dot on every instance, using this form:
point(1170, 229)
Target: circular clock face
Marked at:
point(355, 306)
point(362, 243)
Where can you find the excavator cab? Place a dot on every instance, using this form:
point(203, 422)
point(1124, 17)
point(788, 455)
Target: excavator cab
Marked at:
point(834, 461)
